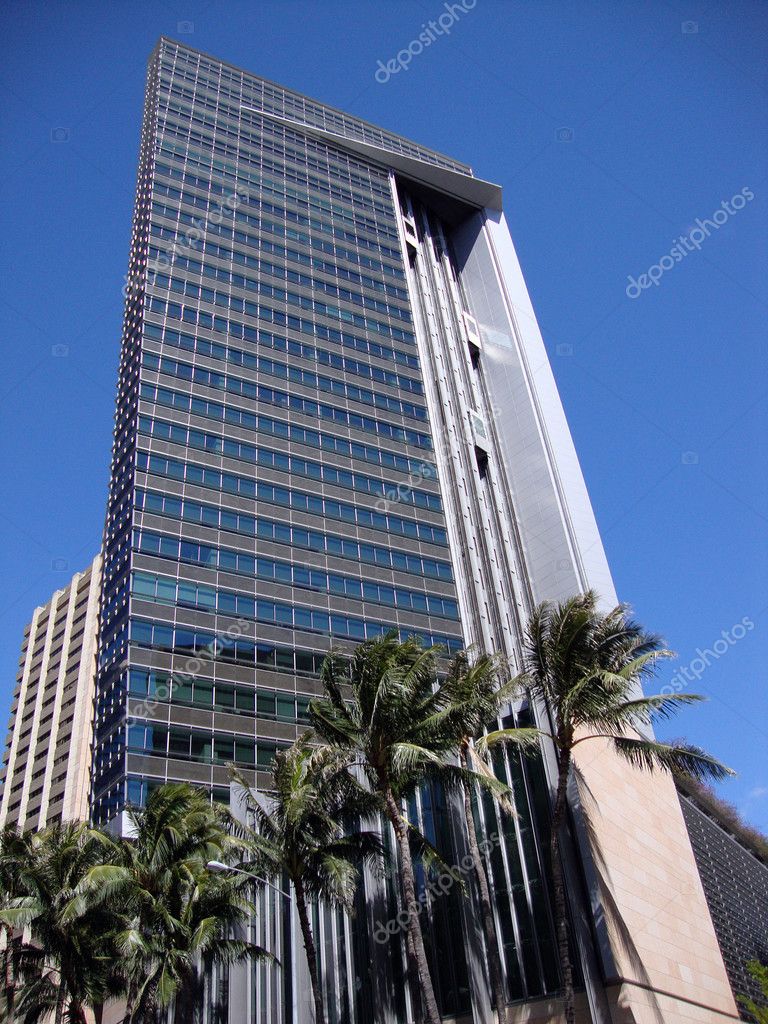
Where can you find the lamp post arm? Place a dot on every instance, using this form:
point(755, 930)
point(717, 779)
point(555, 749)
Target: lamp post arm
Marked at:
point(216, 866)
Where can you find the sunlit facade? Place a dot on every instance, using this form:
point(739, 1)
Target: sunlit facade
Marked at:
point(46, 772)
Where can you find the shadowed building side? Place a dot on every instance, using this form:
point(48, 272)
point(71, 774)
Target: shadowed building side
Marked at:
point(733, 864)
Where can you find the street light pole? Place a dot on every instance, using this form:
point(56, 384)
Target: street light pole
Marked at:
point(218, 867)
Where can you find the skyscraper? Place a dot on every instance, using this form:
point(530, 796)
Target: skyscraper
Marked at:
point(336, 416)
point(46, 774)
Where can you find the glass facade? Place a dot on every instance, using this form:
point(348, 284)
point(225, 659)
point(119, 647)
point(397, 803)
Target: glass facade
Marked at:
point(279, 484)
point(270, 397)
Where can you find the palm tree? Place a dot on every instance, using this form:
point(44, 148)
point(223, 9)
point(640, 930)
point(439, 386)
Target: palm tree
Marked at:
point(63, 965)
point(300, 834)
point(15, 856)
point(478, 698)
point(172, 913)
point(585, 667)
point(386, 710)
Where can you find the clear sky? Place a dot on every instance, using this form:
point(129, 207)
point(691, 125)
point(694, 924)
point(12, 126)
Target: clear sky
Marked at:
point(613, 128)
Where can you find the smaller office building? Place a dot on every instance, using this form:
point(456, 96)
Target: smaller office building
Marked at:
point(46, 771)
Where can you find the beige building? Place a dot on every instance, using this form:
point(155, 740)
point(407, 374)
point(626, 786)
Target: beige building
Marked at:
point(46, 770)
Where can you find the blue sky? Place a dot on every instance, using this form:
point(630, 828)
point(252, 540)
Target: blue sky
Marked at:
point(613, 127)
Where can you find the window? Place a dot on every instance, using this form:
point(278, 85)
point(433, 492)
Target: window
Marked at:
point(266, 755)
point(265, 704)
point(224, 747)
point(178, 743)
point(166, 592)
point(185, 640)
point(157, 739)
point(286, 707)
point(138, 682)
point(143, 586)
point(265, 655)
point(225, 696)
point(245, 753)
point(203, 693)
point(304, 661)
point(245, 699)
point(227, 560)
point(183, 691)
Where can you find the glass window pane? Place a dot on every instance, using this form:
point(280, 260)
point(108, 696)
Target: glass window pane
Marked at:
point(224, 747)
point(169, 547)
point(227, 560)
point(265, 704)
point(157, 738)
point(304, 661)
point(245, 700)
point(163, 637)
point(138, 681)
point(266, 755)
point(203, 693)
point(178, 743)
point(284, 614)
point(302, 618)
point(265, 655)
point(183, 691)
point(285, 658)
point(144, 586)
point(244, 752)
point(225, 695)
point(286, 707)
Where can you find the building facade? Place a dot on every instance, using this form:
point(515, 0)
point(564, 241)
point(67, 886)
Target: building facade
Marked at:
point(734, 873)
point(46, 770)
point(336, 417)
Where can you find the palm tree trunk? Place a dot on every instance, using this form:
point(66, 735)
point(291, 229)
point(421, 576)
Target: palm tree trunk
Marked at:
point(76, 1013)
point(561, 908)
point(130, 999)
point(60, 1000)
point(187, 998)
point(9, 987)
point(413, 979)
point(309, 947)
point(149, 1002)
point(489, 925)
point(412, 908)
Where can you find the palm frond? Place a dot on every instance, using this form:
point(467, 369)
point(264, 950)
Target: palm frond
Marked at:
point(687, 760)
point(646, 710)
point(526, 739)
